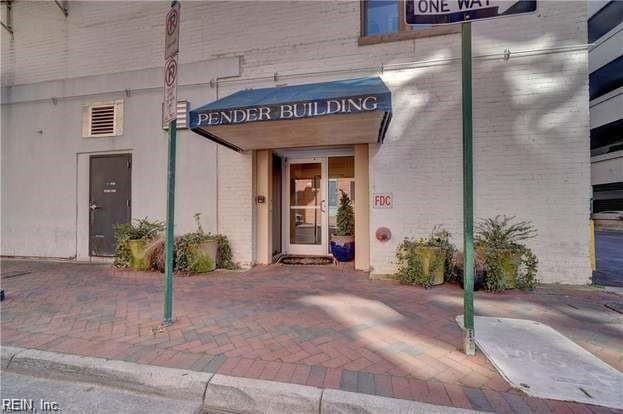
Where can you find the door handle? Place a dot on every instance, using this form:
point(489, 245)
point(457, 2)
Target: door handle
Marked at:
point(322, 207)
point(93, 206)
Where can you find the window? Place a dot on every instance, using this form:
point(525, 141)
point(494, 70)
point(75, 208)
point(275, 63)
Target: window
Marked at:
point(606, 19)
point(102, 119)
point(383, 21)
point(381, 17)
point(341, 177)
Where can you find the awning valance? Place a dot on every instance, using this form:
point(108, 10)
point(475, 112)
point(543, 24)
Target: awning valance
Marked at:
point(352, 111)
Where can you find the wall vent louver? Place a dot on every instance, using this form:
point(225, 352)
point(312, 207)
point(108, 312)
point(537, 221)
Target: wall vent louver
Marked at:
point(102, 119)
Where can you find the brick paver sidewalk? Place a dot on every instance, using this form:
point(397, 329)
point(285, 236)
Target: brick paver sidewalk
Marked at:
point(314, 325)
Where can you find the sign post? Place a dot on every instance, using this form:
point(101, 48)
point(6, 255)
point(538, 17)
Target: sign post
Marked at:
point(437, 12)
point(468, 189)
point(169, 113)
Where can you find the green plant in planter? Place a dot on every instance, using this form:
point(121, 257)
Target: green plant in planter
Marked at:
point(345, 217)
point(509, 263)
point(343, 241)
point(201, 263)
point(131, 240)
point(187, 251)
point(192, 251)
point(425, 261)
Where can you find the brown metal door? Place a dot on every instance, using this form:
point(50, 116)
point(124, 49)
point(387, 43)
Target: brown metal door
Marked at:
point(109, 200)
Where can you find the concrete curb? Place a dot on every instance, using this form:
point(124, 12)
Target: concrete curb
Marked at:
point(214, 391)
point(149, 379)
point(336, 401)
point(259, 396)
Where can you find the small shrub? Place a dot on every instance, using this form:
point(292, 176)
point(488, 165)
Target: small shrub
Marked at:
point(345, 217)
point(417, 266)
point(185, 250)
point(509, 263)
point(141, 229)
point(528, 268)
point(200, 263)
point(185, 254)
point(224, 257)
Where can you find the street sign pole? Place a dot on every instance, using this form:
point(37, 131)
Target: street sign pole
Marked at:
point(427, 12)
point(168, 275)
point(169, 113)
point(468, 190)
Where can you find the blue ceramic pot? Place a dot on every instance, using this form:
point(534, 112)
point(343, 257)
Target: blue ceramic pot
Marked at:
point(343, 252)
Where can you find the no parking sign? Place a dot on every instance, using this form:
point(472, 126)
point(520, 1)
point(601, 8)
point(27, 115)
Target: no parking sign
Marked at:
point(171, 49)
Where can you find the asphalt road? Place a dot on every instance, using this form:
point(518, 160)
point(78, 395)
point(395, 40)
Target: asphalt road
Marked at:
point(609, 251)
point(85, 398)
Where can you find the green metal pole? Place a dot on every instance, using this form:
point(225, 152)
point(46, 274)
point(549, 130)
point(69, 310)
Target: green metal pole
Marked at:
point(168, 273)
point(468, 190)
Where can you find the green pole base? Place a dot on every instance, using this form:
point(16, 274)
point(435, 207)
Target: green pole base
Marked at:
point(469, 345)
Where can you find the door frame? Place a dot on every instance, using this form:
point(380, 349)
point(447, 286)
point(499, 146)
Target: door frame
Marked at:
point(89, 200)
point(311, 250)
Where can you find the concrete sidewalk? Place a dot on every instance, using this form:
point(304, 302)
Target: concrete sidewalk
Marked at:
point(203, 392)
point(318, 326)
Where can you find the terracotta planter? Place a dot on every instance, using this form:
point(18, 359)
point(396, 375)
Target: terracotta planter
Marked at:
point(137, 254)
point(343, 248)
point(428, 256)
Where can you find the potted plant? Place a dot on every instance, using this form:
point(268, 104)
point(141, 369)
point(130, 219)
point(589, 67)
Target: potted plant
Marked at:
point(131, 242)
point(206, 253)
point(509, 263)
point(425, 261)
point(196, 252)
point(343, 241)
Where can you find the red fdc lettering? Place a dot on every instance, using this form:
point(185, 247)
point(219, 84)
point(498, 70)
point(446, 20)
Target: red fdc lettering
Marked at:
point(382, 200)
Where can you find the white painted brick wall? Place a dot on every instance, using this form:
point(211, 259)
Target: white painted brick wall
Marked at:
point(235, 202)
point(530, 114)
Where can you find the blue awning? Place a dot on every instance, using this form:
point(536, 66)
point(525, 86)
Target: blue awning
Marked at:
point(341, 112)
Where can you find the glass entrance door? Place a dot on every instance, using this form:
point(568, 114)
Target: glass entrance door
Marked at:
point(306, 206)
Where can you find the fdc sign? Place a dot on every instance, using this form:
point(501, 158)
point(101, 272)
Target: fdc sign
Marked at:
point(456, 11)
point(383, 200)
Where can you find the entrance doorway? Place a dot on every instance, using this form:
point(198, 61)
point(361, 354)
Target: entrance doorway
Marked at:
point(306, 200)
point(109, 200)
point(312, 188)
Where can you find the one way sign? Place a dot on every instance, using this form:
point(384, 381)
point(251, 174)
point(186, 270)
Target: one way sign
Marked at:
point(458, 11)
